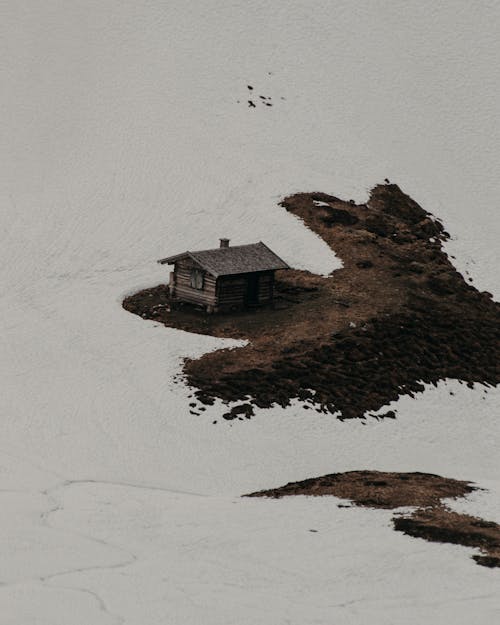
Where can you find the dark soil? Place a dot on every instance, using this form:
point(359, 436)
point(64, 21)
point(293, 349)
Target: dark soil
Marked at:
point(432, 520)
point(396, 316)
point(439, 524)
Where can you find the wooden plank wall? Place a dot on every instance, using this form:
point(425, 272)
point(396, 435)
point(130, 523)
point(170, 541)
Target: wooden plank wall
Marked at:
point(266, 287)
point(232, 290)
point(224, 292)
point(183, 289)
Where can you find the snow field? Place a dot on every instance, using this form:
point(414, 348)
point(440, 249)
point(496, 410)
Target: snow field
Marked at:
point(124, 141)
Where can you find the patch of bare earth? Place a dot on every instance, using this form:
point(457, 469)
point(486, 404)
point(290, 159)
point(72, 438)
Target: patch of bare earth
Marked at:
point(377, 489)
point(431, 520)
point(395, 317)
point(439, 524)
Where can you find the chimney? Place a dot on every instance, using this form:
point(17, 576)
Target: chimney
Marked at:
point(224, 242)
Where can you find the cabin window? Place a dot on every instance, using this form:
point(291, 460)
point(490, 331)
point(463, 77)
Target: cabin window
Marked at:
point(197, 279)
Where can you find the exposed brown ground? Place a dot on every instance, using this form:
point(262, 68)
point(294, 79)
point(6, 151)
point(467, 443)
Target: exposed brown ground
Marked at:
point(432, 520)
point(377, 489)
point(439, 524)
point(397, 315)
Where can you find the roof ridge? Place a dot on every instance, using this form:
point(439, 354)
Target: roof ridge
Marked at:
point(229, 247)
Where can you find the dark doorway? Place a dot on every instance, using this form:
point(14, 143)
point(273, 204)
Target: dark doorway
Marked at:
point(252, 293)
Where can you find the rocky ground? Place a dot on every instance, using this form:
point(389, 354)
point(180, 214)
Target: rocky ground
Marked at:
point(432, 519)
point(395, 317)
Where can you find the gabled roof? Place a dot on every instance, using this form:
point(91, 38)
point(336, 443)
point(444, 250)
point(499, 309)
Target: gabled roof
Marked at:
point(224, 261)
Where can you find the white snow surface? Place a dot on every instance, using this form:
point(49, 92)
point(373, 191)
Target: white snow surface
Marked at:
point(122, 142)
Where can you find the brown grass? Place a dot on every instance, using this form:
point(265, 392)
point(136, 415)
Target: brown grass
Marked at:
point(439, 524)
point(377, 489)
point(396, 316)
point(432, 520)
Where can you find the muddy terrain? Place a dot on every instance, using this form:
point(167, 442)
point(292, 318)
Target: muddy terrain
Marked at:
point(396, 316)
point(432, 519)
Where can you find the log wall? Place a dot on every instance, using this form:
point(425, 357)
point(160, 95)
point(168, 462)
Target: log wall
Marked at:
point(232, 290)
point(185, 292)
point(266, 288)
point(224, 292)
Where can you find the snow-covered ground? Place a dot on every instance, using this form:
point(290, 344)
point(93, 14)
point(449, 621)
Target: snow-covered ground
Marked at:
point(123, 141)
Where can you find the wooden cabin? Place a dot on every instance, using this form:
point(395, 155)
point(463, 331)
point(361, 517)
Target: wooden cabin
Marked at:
point(225, 278)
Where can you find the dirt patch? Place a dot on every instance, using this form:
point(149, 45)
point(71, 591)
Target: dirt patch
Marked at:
point(396, 316)
point(377, 489)
point(432, 520)
point(439, 524)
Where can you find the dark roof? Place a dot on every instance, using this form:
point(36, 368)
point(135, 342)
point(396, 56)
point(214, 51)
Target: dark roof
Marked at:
point(224, 261)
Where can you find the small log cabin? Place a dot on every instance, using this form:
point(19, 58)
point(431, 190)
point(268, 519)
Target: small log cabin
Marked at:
point(225, 278)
